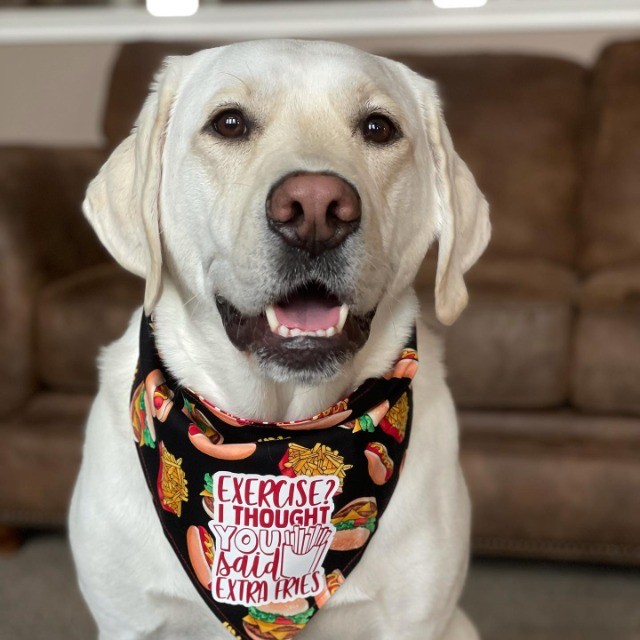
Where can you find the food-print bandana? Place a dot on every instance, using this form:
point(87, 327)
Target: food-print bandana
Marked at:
point(269, 518)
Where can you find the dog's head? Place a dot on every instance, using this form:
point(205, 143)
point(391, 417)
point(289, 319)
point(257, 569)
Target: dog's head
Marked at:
point(289, 188)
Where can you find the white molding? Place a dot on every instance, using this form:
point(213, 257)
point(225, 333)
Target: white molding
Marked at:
point(315, 20)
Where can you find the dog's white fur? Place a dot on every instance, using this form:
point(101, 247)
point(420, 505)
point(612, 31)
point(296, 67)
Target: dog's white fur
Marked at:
point(186, 211)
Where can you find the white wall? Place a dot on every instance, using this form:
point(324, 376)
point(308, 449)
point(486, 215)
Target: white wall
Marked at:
point(53, 94)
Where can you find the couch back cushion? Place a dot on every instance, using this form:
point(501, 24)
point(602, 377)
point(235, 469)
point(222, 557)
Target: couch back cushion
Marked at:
point(516, 121)
point(611, 203)
point(132, 75)
point(77, 316)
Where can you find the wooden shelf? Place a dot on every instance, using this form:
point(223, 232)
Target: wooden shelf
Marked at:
point(315, 19)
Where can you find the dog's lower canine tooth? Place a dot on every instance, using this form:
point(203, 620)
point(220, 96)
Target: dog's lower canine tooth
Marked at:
point(331, 331)
point(344, 312)
point(283, 331)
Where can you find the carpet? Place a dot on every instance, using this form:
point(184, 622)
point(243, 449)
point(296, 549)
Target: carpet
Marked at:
point(508, 600)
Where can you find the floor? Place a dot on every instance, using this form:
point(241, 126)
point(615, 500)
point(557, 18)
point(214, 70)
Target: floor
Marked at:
point(508, 600)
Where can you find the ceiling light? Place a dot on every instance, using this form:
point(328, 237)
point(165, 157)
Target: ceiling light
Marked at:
point(172, 8)
point(459, 4)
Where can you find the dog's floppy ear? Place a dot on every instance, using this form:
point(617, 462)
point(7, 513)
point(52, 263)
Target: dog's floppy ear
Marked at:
point(122, 201)
point(462, 213)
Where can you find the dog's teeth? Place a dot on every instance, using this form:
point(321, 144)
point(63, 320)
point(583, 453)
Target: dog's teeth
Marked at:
point(271, 318)
point(331, 331)
point(344, 312)
point(283, 331)
point(321, 333)
point(295, 332)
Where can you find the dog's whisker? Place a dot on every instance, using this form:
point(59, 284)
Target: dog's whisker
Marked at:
point(238, 78)
point(193, 297)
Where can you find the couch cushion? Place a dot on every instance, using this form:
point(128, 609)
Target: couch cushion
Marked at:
point(611, 203)
point(40, 457)
point(554, 484)
point(75, 317)
point(516, 121)
point(606, 371)
point(510, 347)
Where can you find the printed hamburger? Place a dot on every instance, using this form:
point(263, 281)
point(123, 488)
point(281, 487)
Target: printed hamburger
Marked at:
point(207, 495)
point(354, 523)
point(278, 620)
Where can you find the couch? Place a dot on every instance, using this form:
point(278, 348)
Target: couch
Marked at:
point(544, 364)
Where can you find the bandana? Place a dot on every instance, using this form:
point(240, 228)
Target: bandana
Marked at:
point(269, 518)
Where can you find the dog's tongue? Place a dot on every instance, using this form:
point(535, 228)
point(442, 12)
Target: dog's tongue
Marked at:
point(308, 315)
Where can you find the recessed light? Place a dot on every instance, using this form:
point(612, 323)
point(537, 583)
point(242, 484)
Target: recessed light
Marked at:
point(172, 8)
point(459, 4)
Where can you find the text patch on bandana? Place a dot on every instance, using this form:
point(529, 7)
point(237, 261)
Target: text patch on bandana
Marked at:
point(271, 535)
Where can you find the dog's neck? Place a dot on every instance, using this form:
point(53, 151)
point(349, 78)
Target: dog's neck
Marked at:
point(195, 348)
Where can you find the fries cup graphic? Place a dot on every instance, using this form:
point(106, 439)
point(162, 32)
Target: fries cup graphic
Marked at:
point(303, 550)
point(295, 565)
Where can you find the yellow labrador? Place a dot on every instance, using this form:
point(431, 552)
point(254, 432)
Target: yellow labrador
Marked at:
point(261, 175)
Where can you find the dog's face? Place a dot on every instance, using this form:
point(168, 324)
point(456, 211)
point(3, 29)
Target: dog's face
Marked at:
point(288, 189)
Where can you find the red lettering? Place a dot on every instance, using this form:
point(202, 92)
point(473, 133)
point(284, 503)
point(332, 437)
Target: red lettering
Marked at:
point(285, 589)
point(222, 566)
point(250, 497)
point(237, 486)
point(221, 489)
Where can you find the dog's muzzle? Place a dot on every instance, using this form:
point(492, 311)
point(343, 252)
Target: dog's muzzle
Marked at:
point(308, 327)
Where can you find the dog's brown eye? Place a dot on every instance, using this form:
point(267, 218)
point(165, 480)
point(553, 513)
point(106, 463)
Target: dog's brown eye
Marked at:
point(378, 129)
point(230, 124)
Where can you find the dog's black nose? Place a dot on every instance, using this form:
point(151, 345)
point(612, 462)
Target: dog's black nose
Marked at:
point(313, 211)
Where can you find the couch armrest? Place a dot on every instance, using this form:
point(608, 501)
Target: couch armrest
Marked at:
point(43, 236)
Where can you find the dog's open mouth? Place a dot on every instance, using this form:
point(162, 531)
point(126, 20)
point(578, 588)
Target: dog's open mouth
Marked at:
point(309, 332)
point(309, 311)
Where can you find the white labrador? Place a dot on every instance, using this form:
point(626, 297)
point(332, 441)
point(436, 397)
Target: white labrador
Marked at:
point(181, 202)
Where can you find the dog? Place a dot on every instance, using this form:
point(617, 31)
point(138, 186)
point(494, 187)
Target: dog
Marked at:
point(257, 171)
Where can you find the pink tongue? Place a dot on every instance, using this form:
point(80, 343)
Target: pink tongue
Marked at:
point(307, 315)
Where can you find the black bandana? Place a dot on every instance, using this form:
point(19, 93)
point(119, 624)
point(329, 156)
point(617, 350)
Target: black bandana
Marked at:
point(268, 519)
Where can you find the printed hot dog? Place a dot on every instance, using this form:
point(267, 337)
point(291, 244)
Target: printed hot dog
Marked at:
point(380, 464)
point(200, 549)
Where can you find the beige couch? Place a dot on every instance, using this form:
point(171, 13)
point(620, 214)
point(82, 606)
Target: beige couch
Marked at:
point(544, 364)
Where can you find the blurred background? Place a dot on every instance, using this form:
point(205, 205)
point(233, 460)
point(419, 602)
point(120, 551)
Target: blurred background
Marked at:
point(543, 101)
